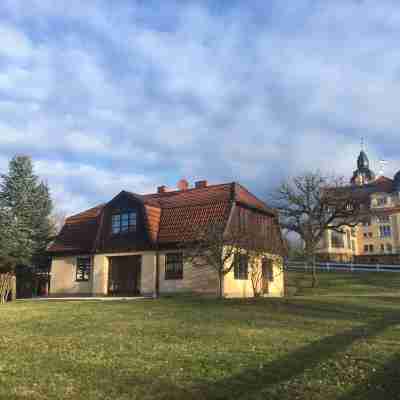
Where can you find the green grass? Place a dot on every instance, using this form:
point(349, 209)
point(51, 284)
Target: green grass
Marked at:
point(324, 344)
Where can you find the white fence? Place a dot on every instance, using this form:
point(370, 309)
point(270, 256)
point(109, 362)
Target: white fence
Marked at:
point(345, 267)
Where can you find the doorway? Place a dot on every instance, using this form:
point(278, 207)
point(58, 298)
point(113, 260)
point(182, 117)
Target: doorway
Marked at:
point(124, 275)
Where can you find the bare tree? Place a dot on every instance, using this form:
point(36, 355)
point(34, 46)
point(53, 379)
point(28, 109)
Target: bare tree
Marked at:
point(212, 246)
point(219, 248)
point(57, 218)
point(312, 204)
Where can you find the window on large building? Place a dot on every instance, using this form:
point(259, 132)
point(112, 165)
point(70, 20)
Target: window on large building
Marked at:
point(241, 267)
point(173, 266)
point(385, 231)
point(381, 201)
point(382, 219)
point(368, 248)
point(124, 222)
point(337, 240)
point(83, 267)
point(389, 248)
point(268, 269)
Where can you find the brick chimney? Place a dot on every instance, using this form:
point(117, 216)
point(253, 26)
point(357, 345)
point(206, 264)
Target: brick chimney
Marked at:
point(183, 184)
point(161, 189)
point(200, 184)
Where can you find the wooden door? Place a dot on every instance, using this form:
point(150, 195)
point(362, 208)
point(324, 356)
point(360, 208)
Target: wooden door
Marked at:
point(124, 276)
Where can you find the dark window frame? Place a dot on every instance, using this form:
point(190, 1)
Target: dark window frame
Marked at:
point(173, 266)
point(83, 269)
point(124, 221)
point(268, 266)
point(241, 267)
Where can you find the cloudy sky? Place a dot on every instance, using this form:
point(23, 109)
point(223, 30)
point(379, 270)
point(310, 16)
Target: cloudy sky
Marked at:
point(111, 95)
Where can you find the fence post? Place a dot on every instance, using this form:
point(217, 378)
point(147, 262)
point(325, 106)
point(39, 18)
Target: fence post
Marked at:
point(327, 267)
point(377, 267)
point(351, 267)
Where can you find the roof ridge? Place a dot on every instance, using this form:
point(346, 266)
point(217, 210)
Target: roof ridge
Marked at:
point(177, 191)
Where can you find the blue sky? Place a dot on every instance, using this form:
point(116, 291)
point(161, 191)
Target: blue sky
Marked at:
point(130, 95)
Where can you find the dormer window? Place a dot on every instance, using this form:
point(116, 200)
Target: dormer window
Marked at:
point(124, 222)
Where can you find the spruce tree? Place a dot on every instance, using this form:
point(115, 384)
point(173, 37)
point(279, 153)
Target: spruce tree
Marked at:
point(25, 208)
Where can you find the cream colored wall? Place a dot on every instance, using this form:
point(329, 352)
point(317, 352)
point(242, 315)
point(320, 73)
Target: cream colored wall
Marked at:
point(245, 288)
point(148, 273)
point(63, 274)
point(100, 275)
point(196, 279)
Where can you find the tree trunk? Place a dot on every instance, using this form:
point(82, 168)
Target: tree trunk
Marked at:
point(221, 285)
point(314, 283)
point(310, 257)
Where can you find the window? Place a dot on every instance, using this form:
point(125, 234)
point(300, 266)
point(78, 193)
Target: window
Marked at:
point(337, 240)
point(365, 234)
point(83, 267)
point(268, 269)
point(348, 239)
point(365, 248)
point(370, 234)
point(385, 231)
point(241, 267)
point(381, 201)
point(124, 222)
point(371, 248)
point(382, 248)
point(382, 219)
point(173, 266)
point(389, 248)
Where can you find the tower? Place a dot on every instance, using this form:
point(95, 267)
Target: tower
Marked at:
point(362, 175)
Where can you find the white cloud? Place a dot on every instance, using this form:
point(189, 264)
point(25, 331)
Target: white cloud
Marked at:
point(110, 96)
point(14, 43)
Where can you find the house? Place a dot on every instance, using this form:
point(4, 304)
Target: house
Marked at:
point(377, 238)
point(131, 245)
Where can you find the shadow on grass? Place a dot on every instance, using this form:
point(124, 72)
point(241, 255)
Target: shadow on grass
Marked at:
point(254, 381)
point(382, 384)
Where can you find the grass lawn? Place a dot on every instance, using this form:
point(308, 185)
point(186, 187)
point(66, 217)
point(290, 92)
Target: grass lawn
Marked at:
point(329, 343)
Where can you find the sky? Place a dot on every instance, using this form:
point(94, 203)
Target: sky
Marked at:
point(130, 95)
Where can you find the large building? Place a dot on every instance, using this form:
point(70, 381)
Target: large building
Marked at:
point(377, 239)
point(132, 245)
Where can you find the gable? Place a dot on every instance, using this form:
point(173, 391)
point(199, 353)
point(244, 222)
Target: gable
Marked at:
point(108, 240)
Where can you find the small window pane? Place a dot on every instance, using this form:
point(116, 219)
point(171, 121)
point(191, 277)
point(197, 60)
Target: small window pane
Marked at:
point(83, 267)
point(173, 266)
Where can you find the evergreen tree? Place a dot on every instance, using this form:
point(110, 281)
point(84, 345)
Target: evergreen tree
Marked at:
point(25, 208)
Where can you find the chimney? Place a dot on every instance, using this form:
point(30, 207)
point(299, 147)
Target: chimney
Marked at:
point(161, 189)
point(200, 184)
point(183, 184)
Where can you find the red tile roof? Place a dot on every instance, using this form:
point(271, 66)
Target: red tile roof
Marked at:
point(168, 215)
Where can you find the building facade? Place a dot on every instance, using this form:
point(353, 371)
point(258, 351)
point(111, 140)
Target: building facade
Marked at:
point(132, 245)
point(377, 238)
